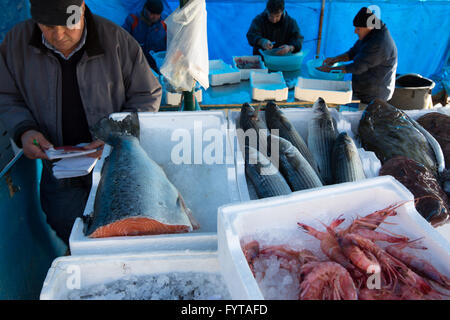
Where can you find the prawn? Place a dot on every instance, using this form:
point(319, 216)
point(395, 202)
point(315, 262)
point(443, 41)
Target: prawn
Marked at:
point(326, 281)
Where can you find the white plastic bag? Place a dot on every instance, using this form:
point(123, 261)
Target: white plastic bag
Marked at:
point(186, 58)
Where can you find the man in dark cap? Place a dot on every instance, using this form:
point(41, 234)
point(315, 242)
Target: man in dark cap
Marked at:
point(274, 28)
point(374, 58)
point(60, 73)
point(149, 29)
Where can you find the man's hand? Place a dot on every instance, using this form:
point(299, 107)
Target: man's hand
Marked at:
point(329, 62)
point(97, 144)
point(324, 68)
point(284, 49)
point(266, 44)
point(34, 144)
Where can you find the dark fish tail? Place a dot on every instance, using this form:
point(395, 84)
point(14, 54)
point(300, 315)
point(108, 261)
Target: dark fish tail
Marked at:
point(109, 130)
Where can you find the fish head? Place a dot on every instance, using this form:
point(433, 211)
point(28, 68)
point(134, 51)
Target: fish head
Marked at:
point(108, 130)
point(320, 106)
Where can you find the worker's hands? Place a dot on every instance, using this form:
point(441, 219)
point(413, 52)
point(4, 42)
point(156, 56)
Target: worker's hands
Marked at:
point(34, 144)
point(324, 68)
point(329, 62)
point(284, 49)
point(97, 144)
point(266, 44)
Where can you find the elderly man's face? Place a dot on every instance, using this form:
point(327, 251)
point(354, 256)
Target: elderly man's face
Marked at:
point(362, 32)
point(275, 17)
point(63, 38)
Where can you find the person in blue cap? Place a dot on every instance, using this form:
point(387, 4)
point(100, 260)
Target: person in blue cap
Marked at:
point(149, 30)
point(374, 59)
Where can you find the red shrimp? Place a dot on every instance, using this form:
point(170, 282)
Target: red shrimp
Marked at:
point(326, 281)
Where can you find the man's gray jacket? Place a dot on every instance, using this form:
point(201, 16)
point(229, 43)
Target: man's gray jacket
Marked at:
point(113, 76)
point(374, 66)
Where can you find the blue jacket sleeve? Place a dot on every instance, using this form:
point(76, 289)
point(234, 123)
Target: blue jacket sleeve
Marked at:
point(370, 56)
point(128, 23)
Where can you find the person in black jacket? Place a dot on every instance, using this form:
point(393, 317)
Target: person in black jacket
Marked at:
point(274, 28)
point(374, 58)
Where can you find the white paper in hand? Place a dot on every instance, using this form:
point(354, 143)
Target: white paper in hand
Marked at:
point(73, 167)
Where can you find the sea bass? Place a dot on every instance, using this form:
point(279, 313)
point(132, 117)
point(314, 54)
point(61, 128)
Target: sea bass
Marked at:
point(134, 196)
point(266, 178)
point(276, 119)
point(295, 168)
point(256, 133)
point(321, 136)
point(345, 160)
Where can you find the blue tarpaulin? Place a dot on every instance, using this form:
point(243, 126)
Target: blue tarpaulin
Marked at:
point(419, 28)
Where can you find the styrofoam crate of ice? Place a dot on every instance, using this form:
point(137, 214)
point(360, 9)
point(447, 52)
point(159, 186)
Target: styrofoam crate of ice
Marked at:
point(145, 276)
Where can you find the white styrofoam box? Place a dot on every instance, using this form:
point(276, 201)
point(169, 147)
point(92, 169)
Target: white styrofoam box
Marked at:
point(338, 92)
point(273, 221)
point(268, 86)
point(174, 98)
point(221, 73)
point(103, 269)
point(353, 117)
point(299, 117)
point(245, 73)
point(205, 184)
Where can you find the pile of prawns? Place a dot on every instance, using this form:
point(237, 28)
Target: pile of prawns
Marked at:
point(354, 259)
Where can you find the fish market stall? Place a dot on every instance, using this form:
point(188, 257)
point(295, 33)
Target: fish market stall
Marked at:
point(194, 151)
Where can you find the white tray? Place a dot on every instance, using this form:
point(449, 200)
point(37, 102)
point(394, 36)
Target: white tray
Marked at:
point(337, 92)
point(245, 73)
point(268, 86)
point(204, 186)
point(221, 73)
point(274, 220)
point(72, 273)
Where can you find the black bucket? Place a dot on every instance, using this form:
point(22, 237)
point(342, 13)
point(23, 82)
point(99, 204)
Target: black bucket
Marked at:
point(412, 91)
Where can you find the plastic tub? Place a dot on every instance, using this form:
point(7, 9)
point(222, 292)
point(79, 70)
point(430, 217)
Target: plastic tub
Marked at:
point(288, 62)
point(273, 221)
point(312, 64)
point(412, 91)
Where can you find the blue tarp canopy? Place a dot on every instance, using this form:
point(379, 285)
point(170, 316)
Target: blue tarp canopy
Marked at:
point(419, 28)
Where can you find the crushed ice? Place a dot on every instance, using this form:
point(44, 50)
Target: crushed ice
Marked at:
point(169, 286)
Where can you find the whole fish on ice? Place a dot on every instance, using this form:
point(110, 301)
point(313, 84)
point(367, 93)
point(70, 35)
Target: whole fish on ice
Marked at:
point(134, 196)
point(276, 119)
point(321, 136)
point(345, 160)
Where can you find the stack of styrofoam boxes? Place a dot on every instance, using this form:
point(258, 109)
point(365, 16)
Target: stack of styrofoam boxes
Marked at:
point(205, 184)
point(221, 73)
point(273, 221)
point(253, 60)
point(336, 92)
point(268, 86)
point(299, 119)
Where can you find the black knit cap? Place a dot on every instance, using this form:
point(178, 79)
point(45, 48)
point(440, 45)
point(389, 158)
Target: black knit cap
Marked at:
point(154, 6)
point(53, 12)
point(365, 18)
